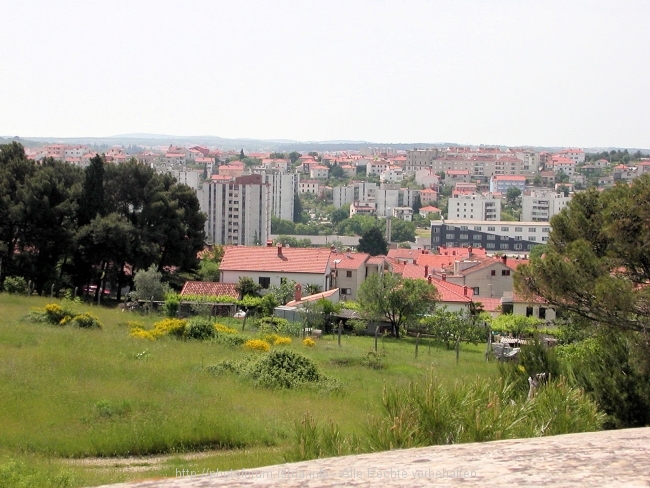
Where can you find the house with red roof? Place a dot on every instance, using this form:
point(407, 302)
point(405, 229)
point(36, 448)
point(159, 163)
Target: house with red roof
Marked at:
point(454, 297)
point(273, 265)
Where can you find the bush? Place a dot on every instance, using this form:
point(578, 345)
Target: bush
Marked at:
point(308, 342)
point(15, 284)
point(282, 341)
point(223, 329)
point(199, 328)
point(230, 340)
point(86, 321)
point(175, 327)
point(172, 305)
point(257, 345)
point(359, 327)
point(55, 314)
point(285, 369)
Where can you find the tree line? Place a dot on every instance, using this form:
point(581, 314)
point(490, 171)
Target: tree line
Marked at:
point(70, 227)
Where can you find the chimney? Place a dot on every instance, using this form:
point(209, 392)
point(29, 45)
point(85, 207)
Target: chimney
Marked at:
point(444, 276)
point(279, 250)
point(426, 270)
point(465, 290)
point(430, 279)
point(333, 248)
point(469, 251)
point(504, 259)
point(297, 292)
point(269, 243)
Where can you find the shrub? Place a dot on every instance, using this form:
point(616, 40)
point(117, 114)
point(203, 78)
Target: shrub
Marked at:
point(223, 329)
point(199, 328)
point(282, 341)
point(257, 345)
point(86, 321)
point(55, 313)
point(359, 327)
point(175, 327)
point(230, 339)
point(284, 369)
point(308, 342)
point(15, 284)
point(172, 305)
point(374, 360)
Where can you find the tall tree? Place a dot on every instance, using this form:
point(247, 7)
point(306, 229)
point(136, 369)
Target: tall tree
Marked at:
point(92, 201)
point(387, 296)
point(597, 260)
point(373, 242)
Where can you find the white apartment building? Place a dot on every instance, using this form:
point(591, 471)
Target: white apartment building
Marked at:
point(540, 206)
point(319, 172)
point(342, 195)
point(403, 213)
point(392, 175)
point(189, 178)
point(239, 211)
point(377, 167)
point(576, 155)
point(283, 187)
point(474, 206)
point(309, 186)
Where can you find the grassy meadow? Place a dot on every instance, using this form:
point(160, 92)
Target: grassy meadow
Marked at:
point(84, 407)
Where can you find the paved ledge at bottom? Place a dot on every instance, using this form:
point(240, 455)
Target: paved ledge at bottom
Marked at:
point(608, 458)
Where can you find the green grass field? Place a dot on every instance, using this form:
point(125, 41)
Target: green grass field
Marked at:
point(69, 396)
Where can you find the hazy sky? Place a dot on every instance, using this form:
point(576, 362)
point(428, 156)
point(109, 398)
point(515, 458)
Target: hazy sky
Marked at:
point(513, 72)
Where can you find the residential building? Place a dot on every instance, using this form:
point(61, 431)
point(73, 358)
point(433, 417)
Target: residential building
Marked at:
point(427, 178)
point(499, 236)
point(273, 265)
point(453, 176)
point(283, 187)
point(501, 183)
point(560, 163)
point(319, 172)
point(474, 206)
point(418, 159)
point(540, 206)
point(239, 211)
point(428, 196)
point(349, 271)
point(362, 208)
point(309, 186)
point(394, 174)
point(402, 213)
point(190, 178)
point(342, 195)
point(424, 211)
point(576, 155)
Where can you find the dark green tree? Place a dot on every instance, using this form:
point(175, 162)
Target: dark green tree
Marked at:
point(297, 207)
point(92, 201)
point(294, 157)
point(279, 226)
point(402, 231)
point(512, 194)
point(340, 214)
point(373, 242)
point(247, 287)
point(417, 204)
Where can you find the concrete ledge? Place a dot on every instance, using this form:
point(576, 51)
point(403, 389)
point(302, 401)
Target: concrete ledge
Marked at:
point(610, 458)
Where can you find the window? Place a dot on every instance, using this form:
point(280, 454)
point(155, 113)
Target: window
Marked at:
point(504, 246)
point(545, 238)
point(532, 229)
point(490, 245)
point(517, 238)
point(346, 291)
point(436, 230)
point(348, 274)
point(505, 229)
point(476, 290)
point(264, 282)
point(532, 238)
point(464, 237)
point(283, 281)
point(477, 227)
point(450, 237)
point(435, 239)
point(493, 272)
point(542, 313)
point(477, 237)
point(491, 238)
point(529, 311)
point(491, 229)
point(519, 229)
point(545, 229)
point(464, 227)
point(505, 272)
point(518, 246)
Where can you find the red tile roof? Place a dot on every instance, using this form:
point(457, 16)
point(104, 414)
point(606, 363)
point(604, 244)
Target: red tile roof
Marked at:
point(447, 292)
point(209, 288)
point(285, 260)
point(350, 260)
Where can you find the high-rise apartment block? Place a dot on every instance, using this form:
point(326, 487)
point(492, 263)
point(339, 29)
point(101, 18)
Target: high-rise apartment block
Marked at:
point(239, 211)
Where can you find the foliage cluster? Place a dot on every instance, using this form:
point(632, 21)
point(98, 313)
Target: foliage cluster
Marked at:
point(55, 314)
point(15, 284)
point(280, 368)
point(430, 413)
point(63, 225)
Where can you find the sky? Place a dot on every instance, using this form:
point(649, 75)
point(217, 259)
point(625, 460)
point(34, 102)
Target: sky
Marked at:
point(507, 72)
